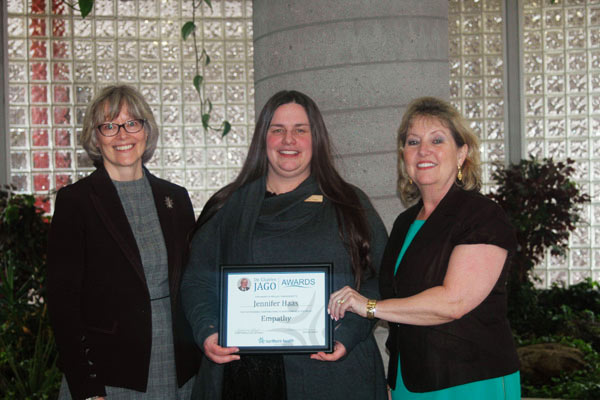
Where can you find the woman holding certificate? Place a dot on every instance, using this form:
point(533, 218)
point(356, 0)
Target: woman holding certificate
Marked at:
point(444, 269)
point(288, 205)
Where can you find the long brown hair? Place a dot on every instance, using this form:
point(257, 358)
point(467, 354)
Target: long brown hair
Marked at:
point(353, 226)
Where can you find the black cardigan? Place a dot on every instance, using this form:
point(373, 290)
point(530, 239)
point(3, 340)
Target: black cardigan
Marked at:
point(475, 347)
point(230, 237)
point(97, 295)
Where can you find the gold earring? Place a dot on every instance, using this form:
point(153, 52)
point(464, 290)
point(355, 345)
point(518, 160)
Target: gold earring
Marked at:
point(459, 176)
point(410, 181)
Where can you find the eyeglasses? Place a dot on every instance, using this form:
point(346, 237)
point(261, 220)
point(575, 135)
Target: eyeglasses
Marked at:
point(111, 129)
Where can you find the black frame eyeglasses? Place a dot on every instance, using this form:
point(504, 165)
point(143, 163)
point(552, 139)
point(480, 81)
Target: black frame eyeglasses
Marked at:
point(110, 129)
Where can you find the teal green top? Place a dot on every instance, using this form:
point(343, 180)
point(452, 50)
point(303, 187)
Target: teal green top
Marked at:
point(502, 388)
point(410, 235)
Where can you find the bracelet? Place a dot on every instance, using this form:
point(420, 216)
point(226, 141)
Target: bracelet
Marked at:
point(371, 308)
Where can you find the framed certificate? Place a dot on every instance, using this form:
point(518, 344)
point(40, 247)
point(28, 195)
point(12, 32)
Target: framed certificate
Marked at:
point(276, 308)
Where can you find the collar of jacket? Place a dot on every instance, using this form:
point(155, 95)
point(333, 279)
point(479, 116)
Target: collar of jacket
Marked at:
point(106, 201)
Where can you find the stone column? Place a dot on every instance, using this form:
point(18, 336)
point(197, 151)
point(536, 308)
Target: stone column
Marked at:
point(362, 61)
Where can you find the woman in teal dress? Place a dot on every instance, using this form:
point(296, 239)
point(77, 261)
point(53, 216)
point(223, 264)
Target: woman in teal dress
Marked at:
point(444, 269)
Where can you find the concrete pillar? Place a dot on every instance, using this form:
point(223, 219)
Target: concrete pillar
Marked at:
point(362, 61)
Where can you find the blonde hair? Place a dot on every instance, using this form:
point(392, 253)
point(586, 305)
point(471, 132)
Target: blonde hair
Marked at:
point(107, 106)
point(447, 115)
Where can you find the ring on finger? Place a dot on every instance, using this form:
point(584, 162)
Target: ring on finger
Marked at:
point(341, 301)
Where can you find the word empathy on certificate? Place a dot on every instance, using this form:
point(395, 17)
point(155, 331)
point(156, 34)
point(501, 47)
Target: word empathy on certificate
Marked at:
point(276, 308)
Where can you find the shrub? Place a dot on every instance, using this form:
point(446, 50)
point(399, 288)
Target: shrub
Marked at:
point(543, 204)
point(27, 349)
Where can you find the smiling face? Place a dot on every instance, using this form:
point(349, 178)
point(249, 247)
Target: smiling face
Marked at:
point(122, 153)
point(289, 148)
point(431, 156)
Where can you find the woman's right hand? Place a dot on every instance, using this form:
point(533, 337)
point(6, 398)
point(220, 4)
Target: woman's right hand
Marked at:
point(218, 354)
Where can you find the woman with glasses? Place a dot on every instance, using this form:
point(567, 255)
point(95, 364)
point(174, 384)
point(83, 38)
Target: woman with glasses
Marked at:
point(116, 249)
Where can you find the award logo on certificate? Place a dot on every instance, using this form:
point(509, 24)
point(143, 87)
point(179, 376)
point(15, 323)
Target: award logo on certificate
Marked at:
point(276, 308)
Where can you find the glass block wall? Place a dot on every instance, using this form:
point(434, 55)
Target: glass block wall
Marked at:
point(561, 84)
point(561, 100)
point(57, 62)
point(476, 74)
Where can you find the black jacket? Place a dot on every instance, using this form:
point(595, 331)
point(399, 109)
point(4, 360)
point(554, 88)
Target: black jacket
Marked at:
point(96, 288)
point(475, 347)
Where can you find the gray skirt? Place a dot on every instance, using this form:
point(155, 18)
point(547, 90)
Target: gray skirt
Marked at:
point(162, 377)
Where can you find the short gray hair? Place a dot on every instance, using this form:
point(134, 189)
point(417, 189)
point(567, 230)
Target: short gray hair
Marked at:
point(106, 106)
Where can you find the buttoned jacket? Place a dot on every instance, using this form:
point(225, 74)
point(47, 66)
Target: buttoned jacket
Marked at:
point(475, 347)
point(97, 294)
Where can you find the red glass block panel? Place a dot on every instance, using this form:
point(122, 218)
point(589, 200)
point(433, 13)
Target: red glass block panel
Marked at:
point(61, 94)
point(62, 159)
point(41, 159)
point(62, 115)
point(37, 27)
point(59, 7)
point(59, 27)
point(39, 71)
point(61, 72)
point(39, 137)
point(62, 138)
point(38, 49)
point(39, 115)
point(39, 94)
point(38, 6)
point(62, 180)
point(60, 49)
point(43, 203)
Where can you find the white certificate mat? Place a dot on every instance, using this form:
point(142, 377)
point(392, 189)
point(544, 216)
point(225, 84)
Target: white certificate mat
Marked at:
point(276, 308)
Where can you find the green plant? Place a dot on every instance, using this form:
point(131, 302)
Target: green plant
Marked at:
point(543, 204)
point(189, 28)
point(85, 7)
point(27, 348)
point(569, 311)
point(569, 316)
point(23, 238)
point(30, 370)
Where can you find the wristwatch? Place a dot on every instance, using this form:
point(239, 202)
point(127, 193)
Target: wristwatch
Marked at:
point(371, 308)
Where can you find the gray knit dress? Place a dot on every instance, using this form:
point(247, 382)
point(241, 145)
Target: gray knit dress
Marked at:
point(138, 203)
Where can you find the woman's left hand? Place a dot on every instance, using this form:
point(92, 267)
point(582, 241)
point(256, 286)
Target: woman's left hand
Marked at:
point(346, 299)
point(339, 351)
